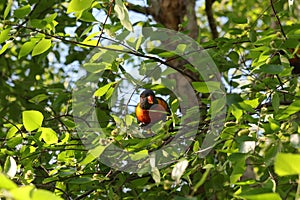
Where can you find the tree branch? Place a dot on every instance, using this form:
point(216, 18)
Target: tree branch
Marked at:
point(211, 19)
point(138, 9)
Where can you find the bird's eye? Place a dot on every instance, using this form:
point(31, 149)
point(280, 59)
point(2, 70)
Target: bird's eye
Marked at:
point(150, 99)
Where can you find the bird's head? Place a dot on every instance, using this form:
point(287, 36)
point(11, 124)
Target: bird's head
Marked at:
point(147, 99)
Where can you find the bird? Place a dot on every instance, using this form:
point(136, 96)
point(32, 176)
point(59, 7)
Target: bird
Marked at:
point(294, 61)
point(151, 109)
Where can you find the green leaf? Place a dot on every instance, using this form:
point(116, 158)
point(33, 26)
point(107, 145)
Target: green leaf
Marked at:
point(234, 56)
point(23, 11)
point(275, 102)
point(181, 48)
point(26, 48)
point(137, 183)
point(155, 174)
point(38, 98)
point(79, 5)
point(252, 102)
point(236, 112)
point(93, 154)
point(271, 68)
point(122, 14)
point(217, 106)
point(14, 141)
point(273, 196)
point(239, 20)
point(6, 183)
point(86, 16)
point(139, 42)
point(287, 164)
point(49, 19)
point(128, 120)
point(274, 125)
point(95, 67)
point(32, 119)
point(139, 155)
point(103, 90)
point(291, 109)
point(252, 35)
point(41, 47)
point(22, 193)
point(4, 47)
point(10, 167)
point(4, 35)
point(81, 180)
point(44, 194)
point(49, 135)
point(13, 130)
point(7, 9)
point(206, 87)
point(208, 167)
point(38, 23)
point(238, 162)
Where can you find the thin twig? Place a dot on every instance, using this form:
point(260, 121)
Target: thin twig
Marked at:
point(19, 130)
point(278, 20)
point(105, 21)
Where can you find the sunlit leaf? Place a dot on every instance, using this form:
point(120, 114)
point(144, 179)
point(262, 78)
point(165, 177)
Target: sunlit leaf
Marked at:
point(93, 154)
point(274, 125)
point(41, 47)
point(291, 109)
point(49, 135)
point(32, 119)
point(7, 9)
point(122, 14)
point(26, 48)
point(179, 169)
point(13, 130)
point(5, 47)
point(6, 183)
point(287, 164)
point(23, 192)
point(236, 112)
point(252, 102)
point(273, 196)
point(44, 194)
point(4, 35)
point(103, 90)
point(79, 5)
point(10, 167)
point(139, 155)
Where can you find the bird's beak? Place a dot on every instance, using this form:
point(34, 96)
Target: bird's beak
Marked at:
point(150, 99)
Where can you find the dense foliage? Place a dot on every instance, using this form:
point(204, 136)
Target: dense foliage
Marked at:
point(71, 73)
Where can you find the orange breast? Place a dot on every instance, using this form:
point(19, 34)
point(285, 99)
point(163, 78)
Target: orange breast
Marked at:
point(156, 113)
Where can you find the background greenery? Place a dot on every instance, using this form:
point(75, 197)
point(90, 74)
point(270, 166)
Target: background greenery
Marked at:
point(44, 44)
